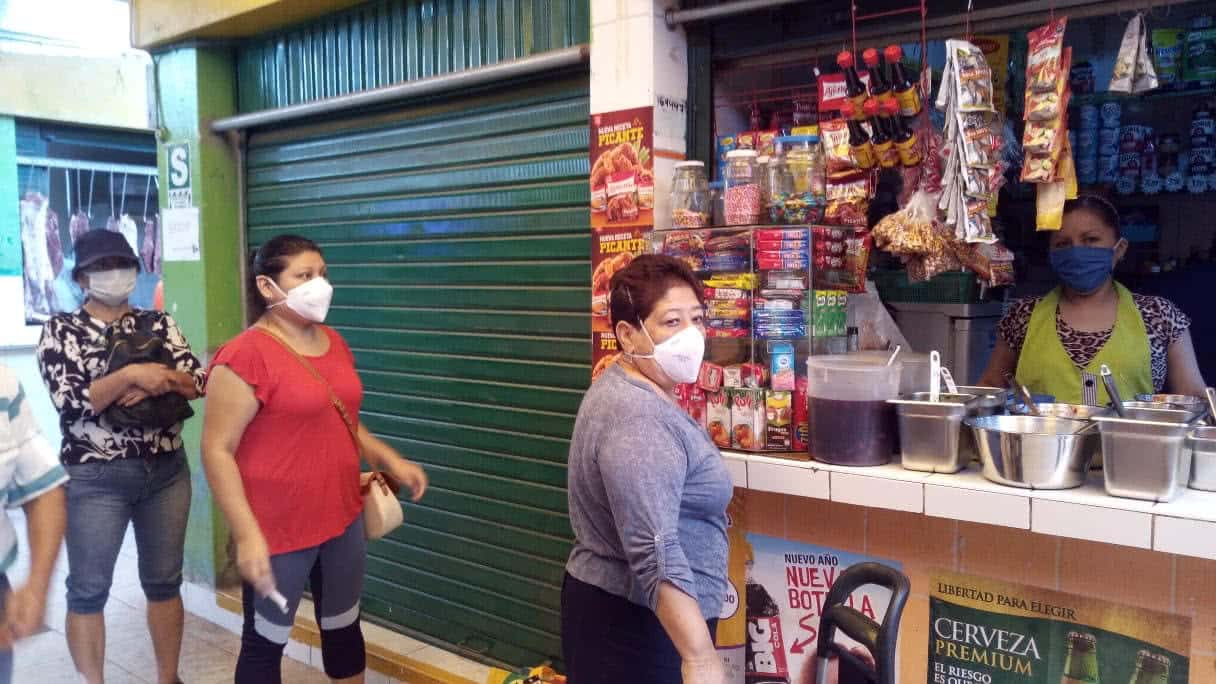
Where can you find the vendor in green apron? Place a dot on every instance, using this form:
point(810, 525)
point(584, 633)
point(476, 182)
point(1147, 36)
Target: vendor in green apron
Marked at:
point(1056, 344)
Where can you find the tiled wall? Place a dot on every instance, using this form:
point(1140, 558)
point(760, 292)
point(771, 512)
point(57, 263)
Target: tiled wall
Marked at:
point(1175, 584)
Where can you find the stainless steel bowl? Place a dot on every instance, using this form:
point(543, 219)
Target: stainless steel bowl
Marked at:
point(1073, 411)
point(1034, 452)
point(1145, 458)
point(929, 431)
point(1182, 402)
point(989, 402)
point(1202, 442)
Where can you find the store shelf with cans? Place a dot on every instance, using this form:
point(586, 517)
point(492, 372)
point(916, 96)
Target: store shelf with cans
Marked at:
point(768, 308)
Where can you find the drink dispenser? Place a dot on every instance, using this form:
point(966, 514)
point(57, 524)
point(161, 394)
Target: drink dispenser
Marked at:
point(851, 422)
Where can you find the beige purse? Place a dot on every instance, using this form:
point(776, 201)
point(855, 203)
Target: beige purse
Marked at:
point(382, 512)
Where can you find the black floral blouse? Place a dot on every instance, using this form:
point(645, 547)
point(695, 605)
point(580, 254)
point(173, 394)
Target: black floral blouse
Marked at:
point(1163, 321)
point(71, 355)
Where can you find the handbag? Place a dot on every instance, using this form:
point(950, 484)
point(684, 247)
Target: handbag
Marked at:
point(128, 342)
point(382, 512)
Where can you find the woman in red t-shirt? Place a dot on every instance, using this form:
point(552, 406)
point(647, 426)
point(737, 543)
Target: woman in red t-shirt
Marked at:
point(284, 468)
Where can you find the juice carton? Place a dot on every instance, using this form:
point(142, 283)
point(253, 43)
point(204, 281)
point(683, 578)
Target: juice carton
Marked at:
point(747, 418)
point(781, 360)
point(710, 377)
point(717, 418)
point(696, 405)
point(802, 423)
point(778, 413)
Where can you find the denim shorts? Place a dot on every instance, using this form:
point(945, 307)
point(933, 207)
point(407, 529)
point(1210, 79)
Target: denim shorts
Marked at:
point(103, 498)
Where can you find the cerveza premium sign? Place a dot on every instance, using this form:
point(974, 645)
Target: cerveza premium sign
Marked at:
point(994, 632)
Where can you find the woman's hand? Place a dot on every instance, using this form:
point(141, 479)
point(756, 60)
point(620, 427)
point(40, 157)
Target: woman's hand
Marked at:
point(132, 397)
point(152, 378)
point(703, 670)
point(408, 474)
point(24, 613)
point(253, 562)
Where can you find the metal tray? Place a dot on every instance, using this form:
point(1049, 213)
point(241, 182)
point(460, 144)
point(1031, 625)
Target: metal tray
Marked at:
point(1145, 459)
point(929, 431)
point(1202, 442)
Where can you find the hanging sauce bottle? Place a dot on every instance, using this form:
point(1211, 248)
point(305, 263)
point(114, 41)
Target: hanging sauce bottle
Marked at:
point(859, 140)
point(906, 142)
point(880, 88)
point(901, 84)
point(855, 90)
point(880, 138)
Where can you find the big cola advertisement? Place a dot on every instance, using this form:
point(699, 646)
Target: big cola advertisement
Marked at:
point(769, 628)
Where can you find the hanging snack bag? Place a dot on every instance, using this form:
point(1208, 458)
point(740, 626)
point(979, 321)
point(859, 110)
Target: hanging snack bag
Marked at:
point(1044, 64)
point(848, 201)
point(836, 150)
point(973, 78)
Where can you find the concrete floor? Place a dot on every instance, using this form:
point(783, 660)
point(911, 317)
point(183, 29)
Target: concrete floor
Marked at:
point(208, 652)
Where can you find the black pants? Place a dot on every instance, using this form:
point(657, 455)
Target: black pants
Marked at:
point(607, 639)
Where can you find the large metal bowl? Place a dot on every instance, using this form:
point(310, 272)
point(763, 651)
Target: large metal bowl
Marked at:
point(1034, 452)
point(1073, 411)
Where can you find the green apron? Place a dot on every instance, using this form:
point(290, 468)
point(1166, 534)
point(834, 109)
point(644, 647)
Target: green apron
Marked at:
point(1045, 367)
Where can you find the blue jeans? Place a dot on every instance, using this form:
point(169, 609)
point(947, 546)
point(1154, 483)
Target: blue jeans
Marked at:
point(103, 498)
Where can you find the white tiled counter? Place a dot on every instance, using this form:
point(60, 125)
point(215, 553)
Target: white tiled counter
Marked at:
point(1185, 526)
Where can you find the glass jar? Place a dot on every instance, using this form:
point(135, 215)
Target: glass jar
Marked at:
point(741, 189)
point(690, 202)
point(803, 156)
point(778, 186)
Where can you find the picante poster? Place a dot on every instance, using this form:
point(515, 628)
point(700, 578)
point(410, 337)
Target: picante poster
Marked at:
point(611, 251)
point(622, 169)
point(769, 627)
point(983, 630)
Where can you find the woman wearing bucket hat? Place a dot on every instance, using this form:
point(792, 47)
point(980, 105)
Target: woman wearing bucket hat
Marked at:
point(122, 447)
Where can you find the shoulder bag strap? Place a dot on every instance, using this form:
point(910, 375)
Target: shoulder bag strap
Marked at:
point(334, 400)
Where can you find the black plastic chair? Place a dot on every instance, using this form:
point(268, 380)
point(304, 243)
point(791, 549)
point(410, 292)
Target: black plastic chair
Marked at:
point(881, 639)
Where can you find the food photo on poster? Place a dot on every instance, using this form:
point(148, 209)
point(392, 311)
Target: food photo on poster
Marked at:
point(622, 168)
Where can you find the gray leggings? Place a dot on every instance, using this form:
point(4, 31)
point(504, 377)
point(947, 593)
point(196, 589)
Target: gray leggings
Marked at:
point(334, 571)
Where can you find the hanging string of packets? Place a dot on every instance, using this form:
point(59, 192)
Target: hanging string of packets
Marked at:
point(973, 169)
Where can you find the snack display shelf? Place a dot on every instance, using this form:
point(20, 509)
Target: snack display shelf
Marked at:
point(1185, 526)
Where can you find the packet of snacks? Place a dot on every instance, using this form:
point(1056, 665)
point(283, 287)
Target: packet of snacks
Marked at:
point(1134, 72)
point(1045, 61)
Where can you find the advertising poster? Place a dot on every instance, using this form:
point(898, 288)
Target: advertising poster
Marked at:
point(58, 205)
point(622, 169)
point(611, 251)
point(778, 591)
point(984, 630)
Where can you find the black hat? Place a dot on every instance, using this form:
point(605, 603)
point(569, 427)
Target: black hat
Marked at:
point(99, 244)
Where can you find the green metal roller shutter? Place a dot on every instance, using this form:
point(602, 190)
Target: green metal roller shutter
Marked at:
point(457, 239)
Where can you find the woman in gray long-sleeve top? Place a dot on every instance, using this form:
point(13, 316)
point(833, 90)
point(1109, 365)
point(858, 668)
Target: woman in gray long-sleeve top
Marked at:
point(648, 493)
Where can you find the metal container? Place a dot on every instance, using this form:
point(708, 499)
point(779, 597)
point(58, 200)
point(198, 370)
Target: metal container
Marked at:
point(1182, 402)
point(929, 431)
point(1145, 459)
point(1073, 411)
point(1033, 452)
point(989, 402)
point(1155, 412)
point(1202, 442)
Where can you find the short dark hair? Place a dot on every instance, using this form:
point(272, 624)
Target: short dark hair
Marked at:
point(1099, 206)
point(270, 260)
point(636, 289)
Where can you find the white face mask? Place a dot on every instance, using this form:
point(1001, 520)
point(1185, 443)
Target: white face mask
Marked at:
point(113, 286)
point(309, 299)
point(680, 355)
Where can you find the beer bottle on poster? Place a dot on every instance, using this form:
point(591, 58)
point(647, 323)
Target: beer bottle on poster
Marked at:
point(765, 650)
point(1081, 663)
point(1151, 668)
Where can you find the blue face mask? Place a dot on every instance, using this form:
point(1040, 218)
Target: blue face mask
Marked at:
point(1083, 269)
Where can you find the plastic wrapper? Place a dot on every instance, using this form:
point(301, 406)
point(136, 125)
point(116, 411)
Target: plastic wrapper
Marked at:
point(875, 327)
point(972, 78)
point(1045, 61)
point(835, 137)
point(742, 281)
point(992, 264)
point(857, 260)
point(1134, 71)
point(849, 200)
point(910, 231)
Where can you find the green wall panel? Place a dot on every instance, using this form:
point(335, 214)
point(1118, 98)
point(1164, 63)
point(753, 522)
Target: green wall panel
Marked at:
point(457, 238)
point(391, 41)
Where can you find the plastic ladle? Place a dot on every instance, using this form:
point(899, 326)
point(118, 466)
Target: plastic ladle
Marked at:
point(1112, 389)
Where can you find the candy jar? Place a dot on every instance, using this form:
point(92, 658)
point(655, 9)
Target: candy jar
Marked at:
point(690, 200)
point(741, 189)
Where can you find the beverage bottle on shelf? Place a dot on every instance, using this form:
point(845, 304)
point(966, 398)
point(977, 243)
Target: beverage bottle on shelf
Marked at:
point(1081, 661)
point(880, 87)
point(765, 661)
point(859, 140)
point(855, 90)
point(901, 84)
point(1151, 668)
point(906, 142)
point(880, 136)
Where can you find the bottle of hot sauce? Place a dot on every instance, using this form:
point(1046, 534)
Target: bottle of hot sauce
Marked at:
point(880, 87)
point(880, 137)
point(905, 138)
point(855, 90)
point(859, 140)
point(901, 84)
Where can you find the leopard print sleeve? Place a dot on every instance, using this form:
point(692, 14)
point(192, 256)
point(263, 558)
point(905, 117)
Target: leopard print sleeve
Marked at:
point(1163, 318)
point(1014, 324)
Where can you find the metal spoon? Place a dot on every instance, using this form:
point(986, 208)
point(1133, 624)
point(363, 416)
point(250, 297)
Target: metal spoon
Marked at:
point(1112, 389)
point(1028, 399)
point(1210, 393)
